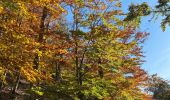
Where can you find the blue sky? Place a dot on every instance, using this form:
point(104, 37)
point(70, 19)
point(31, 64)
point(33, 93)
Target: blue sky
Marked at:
point(157, 46)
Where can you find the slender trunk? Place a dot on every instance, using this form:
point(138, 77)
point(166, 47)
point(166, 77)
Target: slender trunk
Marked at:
point(100, 69)
point(76, 48)
point(58, 71)
point(16, 86)
point(41, 35)
point(36, 62)
point(42, 25)
point(81, 68)
point(78, 67)
point(40, 40)
point(17, 83)
point(76, 61)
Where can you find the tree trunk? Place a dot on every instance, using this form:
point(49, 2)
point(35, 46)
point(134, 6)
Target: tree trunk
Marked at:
point(16, 86)
point(41, 35)
point(76, 62)
point(58, 71)
point(100, 69)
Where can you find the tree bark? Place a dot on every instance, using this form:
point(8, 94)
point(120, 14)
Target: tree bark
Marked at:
point(16, 86)
point(41, 35)
point(58, 71)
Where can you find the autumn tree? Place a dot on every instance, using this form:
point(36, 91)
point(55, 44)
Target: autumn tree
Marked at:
point(102, 49)
point(95, 56)
point(23, 30)
point(159, 87)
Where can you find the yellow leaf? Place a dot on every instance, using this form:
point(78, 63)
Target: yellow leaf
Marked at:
point(1, 9)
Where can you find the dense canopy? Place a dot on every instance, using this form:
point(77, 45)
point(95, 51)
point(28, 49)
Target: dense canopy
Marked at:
point(72, 50)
